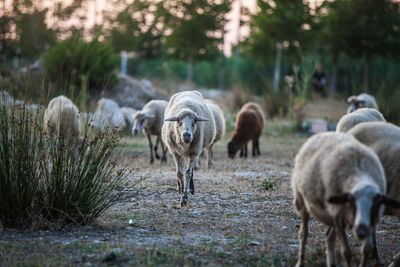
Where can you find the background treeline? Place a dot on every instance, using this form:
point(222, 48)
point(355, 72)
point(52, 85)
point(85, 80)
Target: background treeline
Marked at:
point(356, 40)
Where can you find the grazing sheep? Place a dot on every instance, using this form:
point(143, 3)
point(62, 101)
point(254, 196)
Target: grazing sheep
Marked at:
point(108, 114)
point(383, 139)
point(128, 115)
point(62, 118)
point(350, 120)
point(219, 119)
point(188, 128)
point(361, 101)
point(249, 126)
point(150, 120)
point(341, 183)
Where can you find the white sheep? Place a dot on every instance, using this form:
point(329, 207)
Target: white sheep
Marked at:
point(361, 101)
point(128, 114)
point(108, 114)
point(188, 128)
point(62, 118)
point(383, 139)
point(219, 128)
point(341, 183)
point(150, 119)
point(361, 115)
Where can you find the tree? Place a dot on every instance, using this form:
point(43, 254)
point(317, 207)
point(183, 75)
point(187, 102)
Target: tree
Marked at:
point(137, 28)
point(362, 29)
point(194, 29)
point(283, 24)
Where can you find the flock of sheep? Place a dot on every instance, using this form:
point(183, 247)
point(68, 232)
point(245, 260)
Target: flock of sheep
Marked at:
point(345, 179)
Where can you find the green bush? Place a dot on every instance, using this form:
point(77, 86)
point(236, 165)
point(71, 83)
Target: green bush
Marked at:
point(72, 62)
point(55, 179)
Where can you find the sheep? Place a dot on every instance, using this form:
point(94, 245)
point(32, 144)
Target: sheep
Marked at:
point(62, 118)
point(383, 139)
point(361, 101)
point(150, 119)
point(128, 115)
point(108, 114)
point(249, 126)
point(341, 183)
point(350, 120)
point(188, 128)
point(219, 128)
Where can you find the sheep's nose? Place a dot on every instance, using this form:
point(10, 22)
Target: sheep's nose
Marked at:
point(187, 137)
point(135, 132)
point(362, 231)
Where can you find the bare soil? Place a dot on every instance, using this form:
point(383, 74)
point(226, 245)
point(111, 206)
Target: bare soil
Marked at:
point(241, 214)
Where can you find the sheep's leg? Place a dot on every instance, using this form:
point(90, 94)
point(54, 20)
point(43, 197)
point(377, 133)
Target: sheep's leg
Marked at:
point(345, 249)
point(151, 149)
point(303, 235)
point(164, 152)
point(210, 157)
point(330, 246)
point(179, 164)
point(156, 147)
point(254, 147)
point(258, 146)
point(198, 161)
point(365, 252)
point(245, 150)
point(241, 152)
point(188, 180)
point(396, 261)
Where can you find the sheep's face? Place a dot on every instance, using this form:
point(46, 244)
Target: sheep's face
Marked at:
point(186, 122)
point(233, 148)
point(141, 121)
point(365, 206)
point(354, 104)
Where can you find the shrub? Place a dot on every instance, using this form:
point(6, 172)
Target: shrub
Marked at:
point(57, 179)
point(71, 62)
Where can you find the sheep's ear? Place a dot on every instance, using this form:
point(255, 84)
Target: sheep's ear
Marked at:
point(200, 118)
point(150, 116)
point(171, 119)
point(391, 203)
point(340, 199)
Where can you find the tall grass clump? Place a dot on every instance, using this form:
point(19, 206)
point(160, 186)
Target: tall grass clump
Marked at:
point(54, 179)
point(21, 152)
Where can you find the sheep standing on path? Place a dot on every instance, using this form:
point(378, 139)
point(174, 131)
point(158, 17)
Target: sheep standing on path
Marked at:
point(108, 114)
point(384, 140)
point(361, 101)
point(340, 182)
point(188, 128)
point(219, 119)
point(249, 126)
point(150, 120)
point(61, 117)
point(361, 115)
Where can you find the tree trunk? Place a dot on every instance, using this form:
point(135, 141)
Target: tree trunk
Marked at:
point(366, 75)
point(277, 70)
point(190, 67)
point(333, 84)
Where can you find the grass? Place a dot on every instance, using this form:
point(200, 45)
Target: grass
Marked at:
point(267, 184)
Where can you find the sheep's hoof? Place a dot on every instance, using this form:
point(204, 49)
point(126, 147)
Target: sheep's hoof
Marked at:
point(184, 201)
point(157, 156)
point(164, 159)
point(151, 161)
point(192, 190)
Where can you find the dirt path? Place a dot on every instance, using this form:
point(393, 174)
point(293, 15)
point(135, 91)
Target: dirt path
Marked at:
point(232, 219)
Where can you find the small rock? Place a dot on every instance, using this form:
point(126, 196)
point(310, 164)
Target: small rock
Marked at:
point(131, 222)
point(284, 227)
point(254, 243)
point(112, 255)
point(246, 194)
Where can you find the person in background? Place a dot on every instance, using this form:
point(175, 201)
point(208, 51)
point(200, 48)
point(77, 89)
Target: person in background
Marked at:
point(319, 80)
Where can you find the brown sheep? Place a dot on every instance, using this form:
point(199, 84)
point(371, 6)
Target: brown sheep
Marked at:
point(249, 126)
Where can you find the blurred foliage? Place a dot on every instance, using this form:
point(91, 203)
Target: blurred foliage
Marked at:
point(74, 61)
